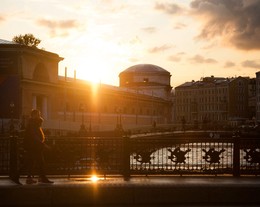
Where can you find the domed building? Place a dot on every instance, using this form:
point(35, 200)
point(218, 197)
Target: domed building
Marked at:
point(29, 79)
point(148, 78)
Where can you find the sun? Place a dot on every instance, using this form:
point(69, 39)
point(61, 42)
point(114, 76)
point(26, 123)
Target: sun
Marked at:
point(99, 62)
point(94, 178)
point(91, 70)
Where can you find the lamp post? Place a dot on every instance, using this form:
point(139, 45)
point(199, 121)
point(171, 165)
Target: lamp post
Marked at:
point(2, 128)
point(12, 118)
point(13, 168)
point(119, 120)
point(82, 127)
point(90, 125)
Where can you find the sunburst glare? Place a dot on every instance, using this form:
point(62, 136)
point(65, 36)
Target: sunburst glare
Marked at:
point(94, 178)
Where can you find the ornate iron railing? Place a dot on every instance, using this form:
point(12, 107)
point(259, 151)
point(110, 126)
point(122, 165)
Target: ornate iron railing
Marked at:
point(157, 154)
point(179, 156)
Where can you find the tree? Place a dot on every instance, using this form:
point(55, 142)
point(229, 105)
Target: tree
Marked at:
point(27, 39)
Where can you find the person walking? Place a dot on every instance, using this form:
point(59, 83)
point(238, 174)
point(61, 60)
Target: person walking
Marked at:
point(34, 144)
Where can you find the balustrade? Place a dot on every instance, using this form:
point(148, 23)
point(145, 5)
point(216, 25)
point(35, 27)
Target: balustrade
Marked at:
point(158, 154)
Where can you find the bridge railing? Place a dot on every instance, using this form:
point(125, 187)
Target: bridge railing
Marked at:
point(127, 156)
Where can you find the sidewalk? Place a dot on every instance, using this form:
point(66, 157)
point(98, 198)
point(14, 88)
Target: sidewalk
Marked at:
point(139, 191)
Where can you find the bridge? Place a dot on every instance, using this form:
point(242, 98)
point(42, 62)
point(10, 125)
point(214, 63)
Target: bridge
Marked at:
point(203, 153)
point(186, 169)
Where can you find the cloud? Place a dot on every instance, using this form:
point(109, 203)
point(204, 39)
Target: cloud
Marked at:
point(200, 59)
point(61, 26)
point(105, 7)
point(135, 40)
point(160, 48)
point(229, 64)
point(176, 58)
point(133, 60)
point(107, 1)
point(2, 19)
point(149, 29)
point(168, 8)
point(180, 26)
point(236, 22)
point(251, 64)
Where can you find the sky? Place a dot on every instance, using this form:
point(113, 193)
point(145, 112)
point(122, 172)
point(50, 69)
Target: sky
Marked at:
point(100, 38)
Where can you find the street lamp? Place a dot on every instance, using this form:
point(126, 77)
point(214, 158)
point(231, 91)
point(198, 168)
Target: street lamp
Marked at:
point(119, 120)
point(90, 125)
point(13, 156)
point(82, 127)
point(12, 118)
point(2, 128)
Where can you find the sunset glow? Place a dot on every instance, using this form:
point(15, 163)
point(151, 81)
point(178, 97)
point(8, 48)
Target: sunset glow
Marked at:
point(90, 70)
point(94, 178)
point(189, 38)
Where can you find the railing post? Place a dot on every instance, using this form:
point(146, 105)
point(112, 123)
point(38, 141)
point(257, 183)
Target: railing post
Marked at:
point(236, 156)
point(13, 165)
point(126, 158)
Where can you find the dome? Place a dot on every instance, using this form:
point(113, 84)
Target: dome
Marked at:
point(144, 75)
point(145, 68)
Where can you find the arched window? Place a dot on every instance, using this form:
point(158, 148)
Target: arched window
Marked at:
point(41, 73)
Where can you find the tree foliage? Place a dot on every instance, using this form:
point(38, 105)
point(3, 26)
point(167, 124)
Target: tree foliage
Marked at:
point(27, 39)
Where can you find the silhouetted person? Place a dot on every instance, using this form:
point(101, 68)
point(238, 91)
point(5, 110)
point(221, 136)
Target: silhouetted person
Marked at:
point(34, 146)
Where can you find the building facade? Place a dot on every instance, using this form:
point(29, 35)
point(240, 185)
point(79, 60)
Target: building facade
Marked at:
point(239, 99)
point(258, 97)
point(214, 102)
point(29, 79)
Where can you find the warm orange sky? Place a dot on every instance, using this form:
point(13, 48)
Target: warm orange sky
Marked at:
point(101, 38)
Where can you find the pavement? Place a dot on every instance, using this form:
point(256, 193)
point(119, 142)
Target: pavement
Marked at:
point(139, 191)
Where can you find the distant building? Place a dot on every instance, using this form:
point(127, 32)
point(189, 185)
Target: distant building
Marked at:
point(258, 97)
point(252, 98)
point(29, 79)
point(213, 102)
point(238, 99)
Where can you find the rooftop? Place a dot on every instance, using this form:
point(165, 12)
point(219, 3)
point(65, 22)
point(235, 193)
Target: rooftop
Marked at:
point(207, 81)
point(145, 68)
